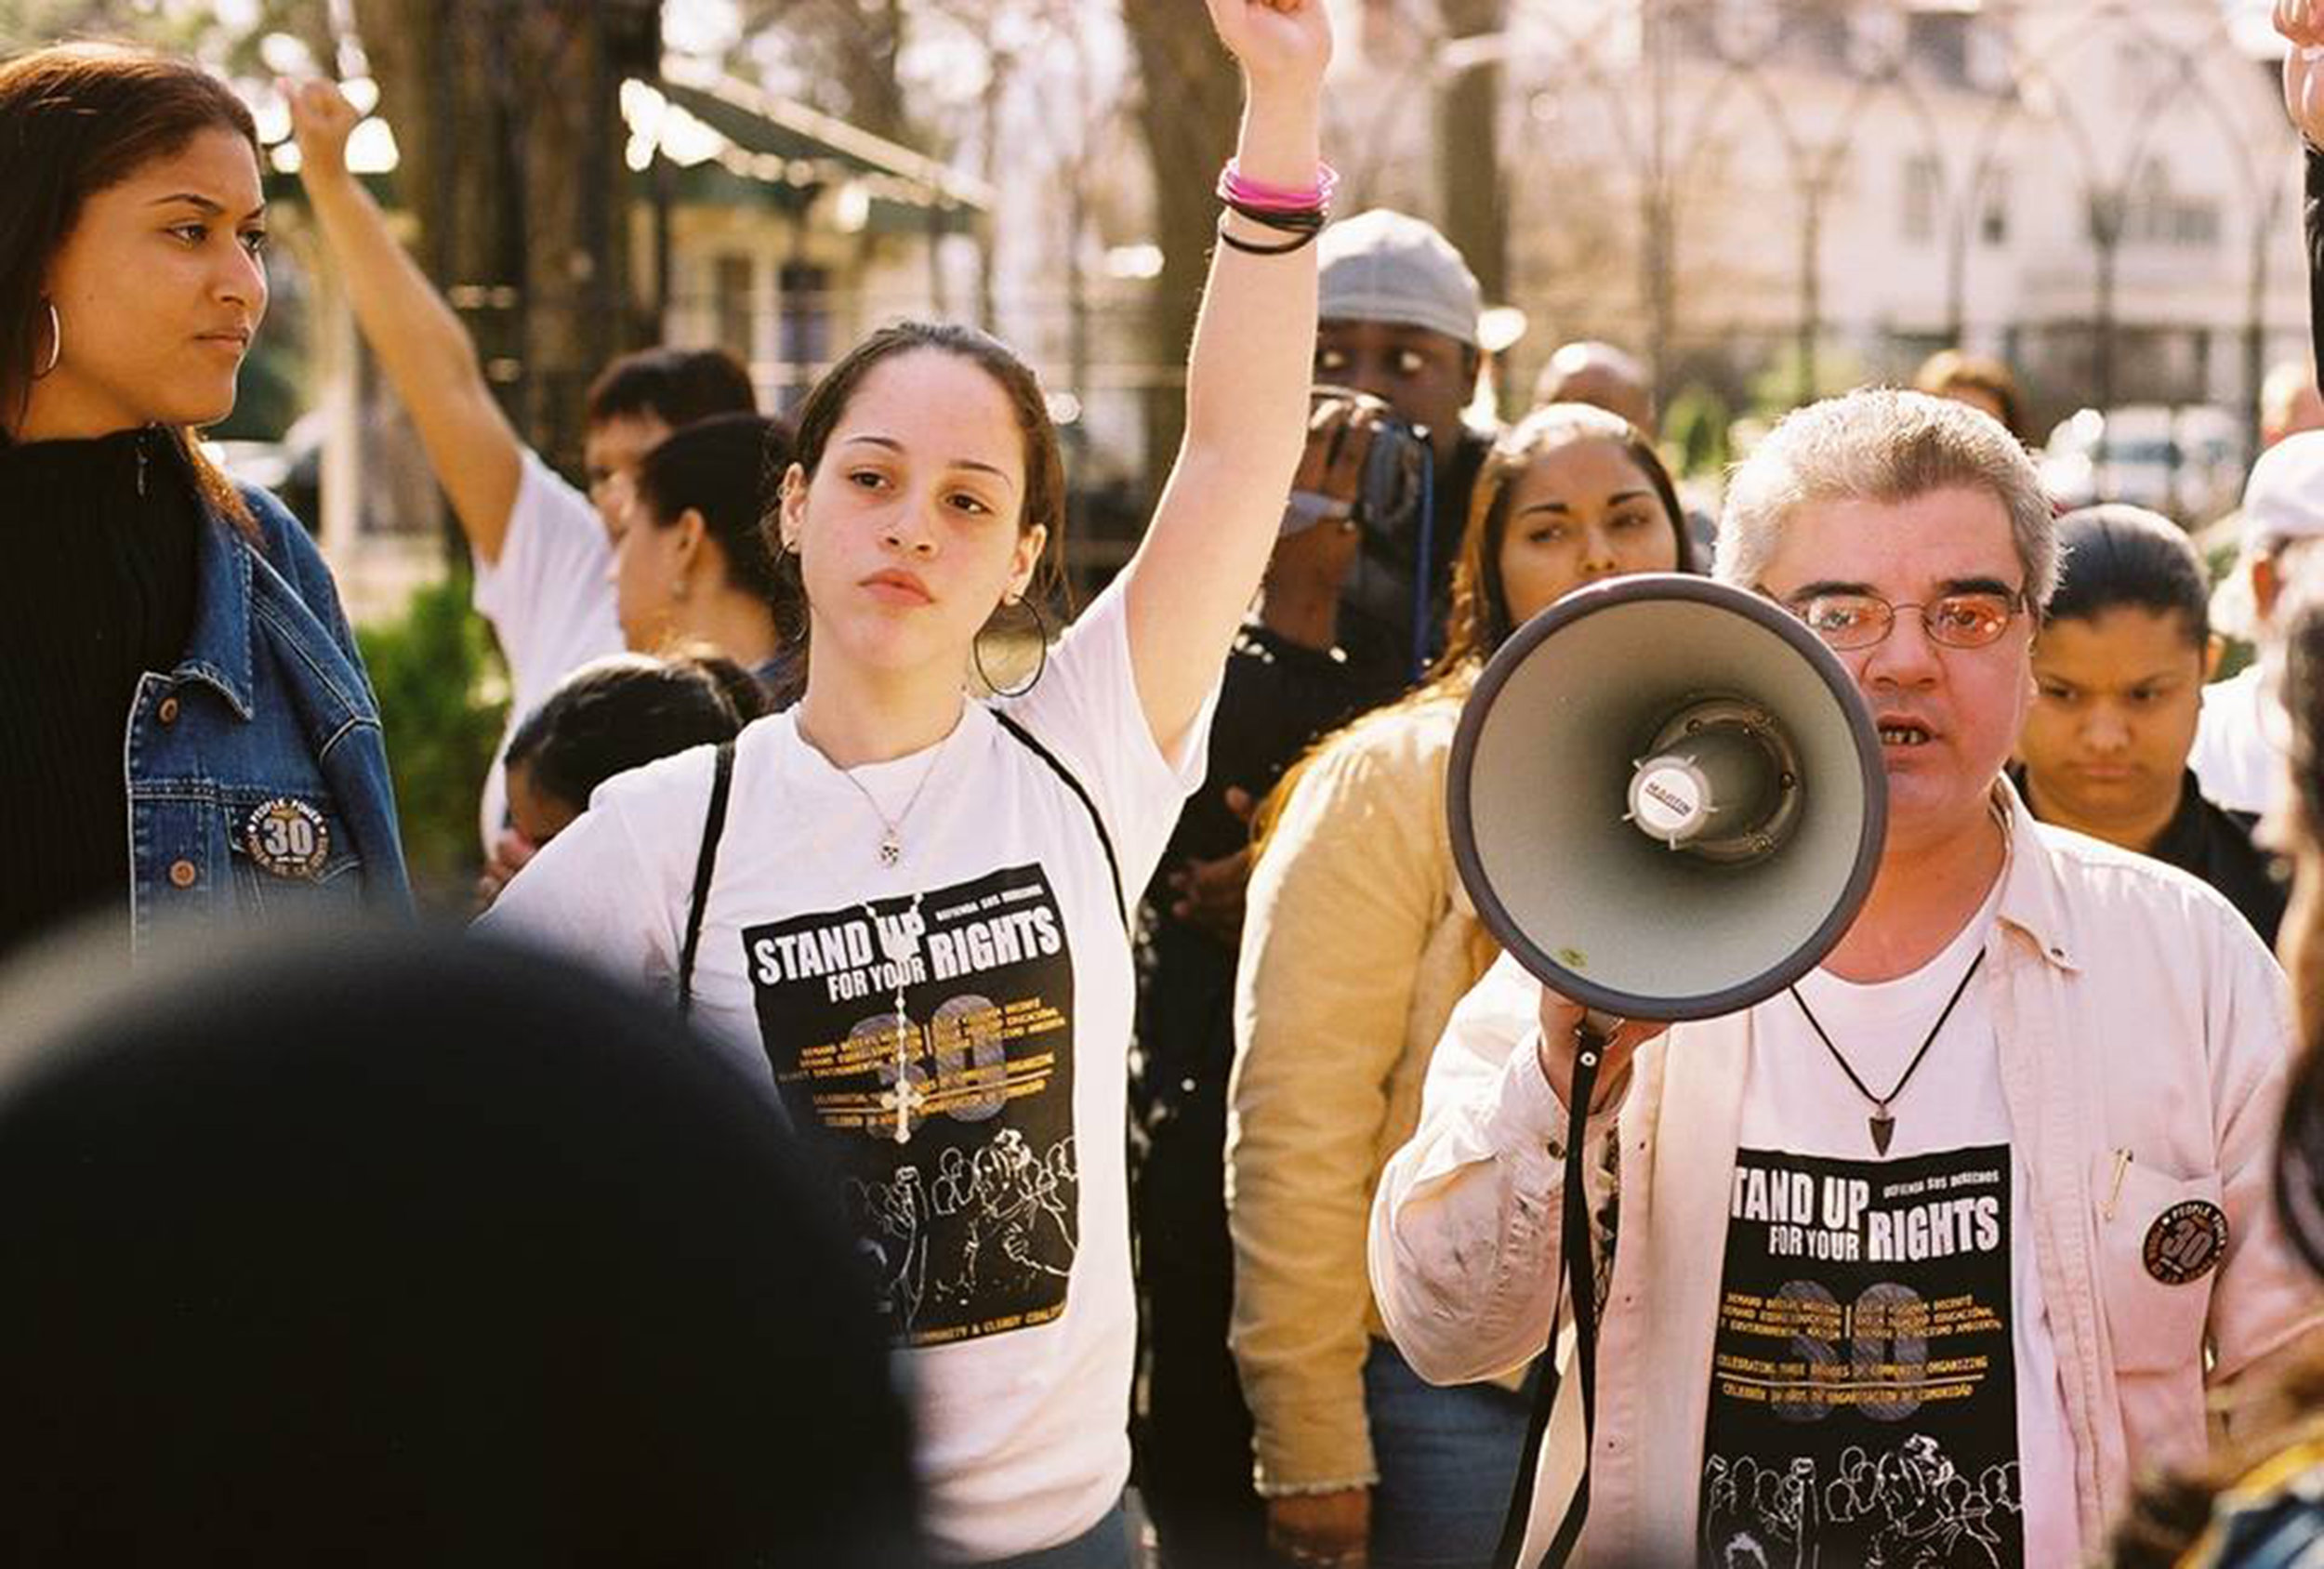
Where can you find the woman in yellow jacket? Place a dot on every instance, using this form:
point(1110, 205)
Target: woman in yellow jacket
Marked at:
point(1357, 942)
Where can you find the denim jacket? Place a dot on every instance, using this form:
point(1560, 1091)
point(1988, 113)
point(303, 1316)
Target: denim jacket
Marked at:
point(257, 775)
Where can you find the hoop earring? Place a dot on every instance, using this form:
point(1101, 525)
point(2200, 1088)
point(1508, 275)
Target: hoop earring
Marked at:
point(1040, 631)
point(56, 342)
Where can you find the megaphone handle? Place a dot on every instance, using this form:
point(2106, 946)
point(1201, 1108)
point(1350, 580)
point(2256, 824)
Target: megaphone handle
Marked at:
point(1596, 1030)
point(1578, 1283)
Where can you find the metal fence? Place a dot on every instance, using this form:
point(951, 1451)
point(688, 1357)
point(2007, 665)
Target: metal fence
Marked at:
point(1770, 198)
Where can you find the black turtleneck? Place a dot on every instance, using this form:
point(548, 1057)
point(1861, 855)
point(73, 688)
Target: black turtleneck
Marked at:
point(98, 587)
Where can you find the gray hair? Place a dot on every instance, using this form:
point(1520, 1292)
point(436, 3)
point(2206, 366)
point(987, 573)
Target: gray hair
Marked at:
point(1883, 446)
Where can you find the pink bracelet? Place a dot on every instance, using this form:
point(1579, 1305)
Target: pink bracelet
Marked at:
point(1234, 186)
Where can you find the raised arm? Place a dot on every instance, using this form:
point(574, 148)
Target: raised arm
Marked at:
point(1246, 388)
point(426, 353)
point(2301, 23)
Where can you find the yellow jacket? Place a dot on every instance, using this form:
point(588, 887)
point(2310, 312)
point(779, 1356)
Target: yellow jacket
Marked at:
point(1357, 942)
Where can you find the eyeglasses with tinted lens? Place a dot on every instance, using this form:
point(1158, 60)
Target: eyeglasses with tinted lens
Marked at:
point(1859, 620)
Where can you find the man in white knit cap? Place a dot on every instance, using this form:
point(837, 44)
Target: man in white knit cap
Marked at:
point(2235, 755)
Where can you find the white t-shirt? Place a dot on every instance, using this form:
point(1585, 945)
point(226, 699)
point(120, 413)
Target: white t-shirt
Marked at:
point(551, 602)
point(1883, 1332)
point(2233, 760)
point(1001, 1224)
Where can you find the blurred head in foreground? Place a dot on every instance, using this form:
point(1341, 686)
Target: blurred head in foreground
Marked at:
point(395, 1248)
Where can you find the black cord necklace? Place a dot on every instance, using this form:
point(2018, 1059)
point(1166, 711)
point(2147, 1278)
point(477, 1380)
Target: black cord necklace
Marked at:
point(1883, 1126)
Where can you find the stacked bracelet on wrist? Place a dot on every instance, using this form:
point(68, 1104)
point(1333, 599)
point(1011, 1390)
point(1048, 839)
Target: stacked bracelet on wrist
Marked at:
point(1301, 213)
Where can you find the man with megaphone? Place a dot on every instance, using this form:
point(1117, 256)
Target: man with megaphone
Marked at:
point(1943, 1211)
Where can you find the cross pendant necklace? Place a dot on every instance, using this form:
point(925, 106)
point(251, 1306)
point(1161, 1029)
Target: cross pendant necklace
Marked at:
point(1883, 1122)
point(899, 944)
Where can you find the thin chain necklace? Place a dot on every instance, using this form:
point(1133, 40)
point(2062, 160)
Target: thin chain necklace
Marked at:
point(1883, 1122)
point(891, 829)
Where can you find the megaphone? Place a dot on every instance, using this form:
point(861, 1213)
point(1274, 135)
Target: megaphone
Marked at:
point(1667, 802)
point(1667, 798)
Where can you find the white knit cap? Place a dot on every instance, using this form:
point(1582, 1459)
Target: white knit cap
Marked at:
point(1384, 266)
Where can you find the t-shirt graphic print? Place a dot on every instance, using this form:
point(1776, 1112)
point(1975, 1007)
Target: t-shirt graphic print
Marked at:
point(950, 1123)
point(1864, 1388)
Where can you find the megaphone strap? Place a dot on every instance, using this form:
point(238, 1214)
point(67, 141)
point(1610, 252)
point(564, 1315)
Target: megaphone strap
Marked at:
point(1883, 1122)
point(1577, 1288)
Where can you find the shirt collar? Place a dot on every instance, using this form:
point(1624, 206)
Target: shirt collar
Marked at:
point(2032, 902)
point(218, 653)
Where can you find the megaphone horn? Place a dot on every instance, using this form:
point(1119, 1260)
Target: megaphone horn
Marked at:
point(1667, 798)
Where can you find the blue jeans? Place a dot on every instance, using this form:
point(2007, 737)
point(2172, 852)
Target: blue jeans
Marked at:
point(1104, 1546)
point(1447, 1459)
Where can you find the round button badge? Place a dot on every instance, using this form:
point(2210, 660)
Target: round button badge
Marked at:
point(288, 838)
point(2186, 1242)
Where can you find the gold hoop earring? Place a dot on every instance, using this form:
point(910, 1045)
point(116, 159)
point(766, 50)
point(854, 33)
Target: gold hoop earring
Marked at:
point(1040, 632)
point(56, 342)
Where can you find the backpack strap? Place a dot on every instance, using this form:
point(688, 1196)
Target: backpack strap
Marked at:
point(1105, 841)
point(706, 865)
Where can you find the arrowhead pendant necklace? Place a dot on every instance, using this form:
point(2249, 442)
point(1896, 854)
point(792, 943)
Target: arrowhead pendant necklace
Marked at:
point(1881, 1122)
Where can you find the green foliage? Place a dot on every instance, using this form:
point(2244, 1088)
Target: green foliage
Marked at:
point(437, 672)
point(269, 394)
point(1782, 384)
point(26, 24)
point(191, 27)
point(1694, 432)
point(2219, 557)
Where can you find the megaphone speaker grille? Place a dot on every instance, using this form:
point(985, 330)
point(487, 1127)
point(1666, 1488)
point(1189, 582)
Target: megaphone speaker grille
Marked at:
point(1539, 798)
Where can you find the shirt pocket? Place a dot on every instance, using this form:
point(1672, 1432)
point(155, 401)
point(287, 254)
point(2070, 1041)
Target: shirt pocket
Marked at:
point(290, 849)
point(2157, 1322)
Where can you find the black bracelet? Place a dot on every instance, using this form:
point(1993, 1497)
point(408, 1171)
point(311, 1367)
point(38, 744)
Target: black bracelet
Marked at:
point(1248, 247)
point(1287, 220)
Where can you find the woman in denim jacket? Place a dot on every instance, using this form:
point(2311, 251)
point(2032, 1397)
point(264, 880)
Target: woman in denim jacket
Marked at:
point(187, 726)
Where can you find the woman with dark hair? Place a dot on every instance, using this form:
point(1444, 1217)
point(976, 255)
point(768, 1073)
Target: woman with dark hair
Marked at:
point(188, 726)
point(1356, 942)
point(2119, 663)
point(691, 570)
point(691, 559)
point(907, 906)
point(619, 713)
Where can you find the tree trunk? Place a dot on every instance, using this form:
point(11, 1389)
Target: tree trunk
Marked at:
point(1190, 96)
point(569, 140)
point(848, 51)
point(507, 117)
point(1468, 149)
